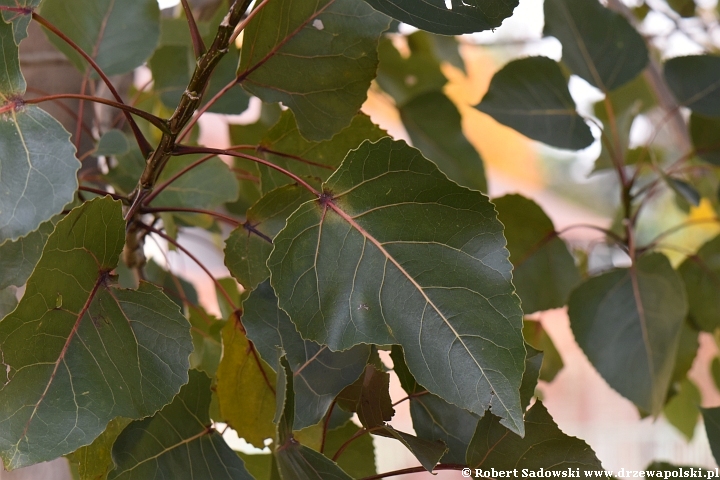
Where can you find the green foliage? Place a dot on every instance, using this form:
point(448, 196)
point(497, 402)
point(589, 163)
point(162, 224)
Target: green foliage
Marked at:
point(531, 96)
point(97, 351)
point(342, 242)
point(119, 36)
point(177, 441)
point(334, 44)
point(641, 310)
point(386, 286)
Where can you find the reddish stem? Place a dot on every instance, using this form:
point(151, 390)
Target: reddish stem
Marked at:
point(187, 150)
point(141, 140)
point(156, 121)
point(225, 218)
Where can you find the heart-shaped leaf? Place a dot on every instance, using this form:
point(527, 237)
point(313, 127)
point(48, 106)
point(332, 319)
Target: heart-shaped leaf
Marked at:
point(78, 350)
point(348, 270)
point(700, 92)
point(531, 96)
point(37, 159)
point(178, 442)
point(628, 322)
point(459, 17)
point(598, 44)
point(545, 271)
point(248, 246)
point(544, 446)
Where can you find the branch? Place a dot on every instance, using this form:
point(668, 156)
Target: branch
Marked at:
point(412, 395)
point(97, 191)
point(326, 424)
point(189, 103)
point(141, 140)
point(155, 121)
point(187, 150)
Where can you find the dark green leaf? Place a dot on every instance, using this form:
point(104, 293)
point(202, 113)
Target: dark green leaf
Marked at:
point(545, 271)
point(245, 387)
point(348, 271)
point(682, 411)
point(544, 446)
point(119, 36)
point(711, 416)
point(705, 133)
point(427, 452)
point(358, 459)
point(79, 351)
point(178, 442)
point(94, 462)
point(701, 274)
point(538, 338)
point(532, 97)
point(443, 142)
point(700, 92)
point(434, 15)
point(369, 396)
point(38, 171)
point(320, 374)
point(406, 78)
point(296, 461)
point(248, 246)
point(284, 146)
point(19, 21)
point(598, 44)
point(628, 323)
point(18, 258)
point(683, 190)
point(433, 418)
point(332, 42)
point(207, 341)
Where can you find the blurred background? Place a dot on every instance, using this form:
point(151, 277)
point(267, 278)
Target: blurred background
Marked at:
point(562, 182)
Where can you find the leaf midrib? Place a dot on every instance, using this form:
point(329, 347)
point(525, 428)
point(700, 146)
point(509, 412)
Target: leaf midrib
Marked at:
point(350, 220)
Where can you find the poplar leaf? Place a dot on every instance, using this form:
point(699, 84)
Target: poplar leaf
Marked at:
point(332, 42)
point(348, 271)
point(78, 350)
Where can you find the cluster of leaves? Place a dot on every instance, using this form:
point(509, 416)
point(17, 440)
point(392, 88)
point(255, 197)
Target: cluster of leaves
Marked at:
point(346, 242)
